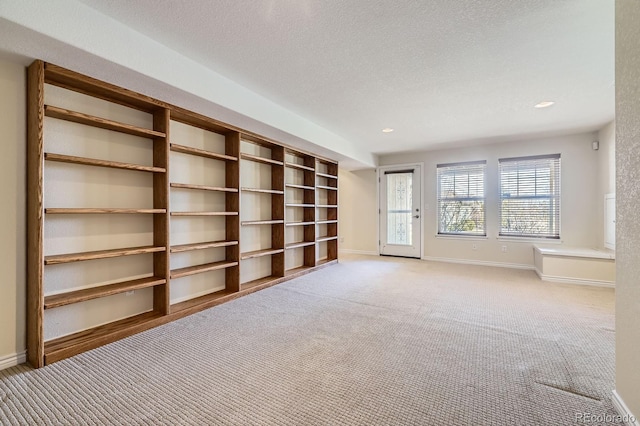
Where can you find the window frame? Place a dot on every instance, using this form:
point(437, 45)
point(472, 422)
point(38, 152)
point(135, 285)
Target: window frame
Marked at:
point(483, 199)
point(554, 197)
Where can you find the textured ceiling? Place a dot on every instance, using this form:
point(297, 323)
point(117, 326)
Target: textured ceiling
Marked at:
point(441, 72)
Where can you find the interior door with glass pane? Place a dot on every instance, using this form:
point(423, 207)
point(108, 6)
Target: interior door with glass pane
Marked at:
point(400, 224)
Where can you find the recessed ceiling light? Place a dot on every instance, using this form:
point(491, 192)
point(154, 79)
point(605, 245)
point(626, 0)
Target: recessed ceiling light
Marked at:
point(387, 130)
point(544, 104)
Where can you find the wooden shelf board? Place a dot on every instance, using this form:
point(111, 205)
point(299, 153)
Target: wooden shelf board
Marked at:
point(100, 254)
point(299, 205)
point(330, 188)
point(104, 210)
point(207, 299)
point(326, 222)
point(66, 346)
point(72, 80)
point(327, 238)
point(76, 296)
point(264, 281)
point(103, 123)
point(203, 122)
point(201, 152)
point(291, 185)
point(326, 175)
point(265, 191)
point(259, 159)
point(300, 166)
point(261, 222)
point(101, 163)
point(299, 223)
point(299, 244)
point(204, 213)
point(327, 206)
point(259, 253)
point(325, 261)
point(198, 269)
point(200, 246)
point(297, 270)
point(202, 187)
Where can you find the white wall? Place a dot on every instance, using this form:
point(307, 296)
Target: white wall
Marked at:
point(12, 210)
point(357, 212)
point(579, 203)
point(628, 202)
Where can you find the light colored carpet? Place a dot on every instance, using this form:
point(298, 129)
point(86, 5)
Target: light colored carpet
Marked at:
point(369, 341)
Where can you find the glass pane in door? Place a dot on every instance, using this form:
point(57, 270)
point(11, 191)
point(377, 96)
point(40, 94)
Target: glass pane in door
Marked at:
point(399, 205)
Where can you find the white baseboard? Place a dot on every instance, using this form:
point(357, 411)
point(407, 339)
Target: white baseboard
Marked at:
point(13, 360)
point(627, 416)
point(579, 281)
point(349, 251)
point(480, 262)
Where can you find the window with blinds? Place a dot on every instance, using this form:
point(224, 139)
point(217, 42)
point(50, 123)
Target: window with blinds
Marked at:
point(530, 196)
point(461, 198)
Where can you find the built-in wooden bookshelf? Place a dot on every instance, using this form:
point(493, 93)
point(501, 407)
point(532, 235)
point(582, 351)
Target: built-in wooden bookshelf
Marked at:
point(223, 254)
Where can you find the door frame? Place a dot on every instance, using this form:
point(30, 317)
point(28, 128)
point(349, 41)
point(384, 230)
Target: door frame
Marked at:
point(379, 173)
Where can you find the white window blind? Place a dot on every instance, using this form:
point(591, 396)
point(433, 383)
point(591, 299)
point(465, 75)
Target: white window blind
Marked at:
point(461, 198)
point(530, 196)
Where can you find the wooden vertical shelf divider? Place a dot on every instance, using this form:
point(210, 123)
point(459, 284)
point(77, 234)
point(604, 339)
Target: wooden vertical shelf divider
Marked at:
point(310, 214)
point(277, 211)
point(232, 203)
point(161, 228)
point(158, 283)
point(35, 214)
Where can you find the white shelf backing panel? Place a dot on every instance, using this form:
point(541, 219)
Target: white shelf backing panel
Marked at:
point(76, 186)
point(75, 101)
point(294, 258)
point(76, 317)
point(252, 269)
point(195, 137)
point(255, 238)
point(73, 276)
point(186, 230)
point(192, 286)
point(294, 176)
point(81, 233)
point(195, 200)
point(255, 175)
point(321, 250)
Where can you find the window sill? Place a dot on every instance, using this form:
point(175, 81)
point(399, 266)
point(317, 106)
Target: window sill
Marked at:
point(529, 240)
point(461, 237)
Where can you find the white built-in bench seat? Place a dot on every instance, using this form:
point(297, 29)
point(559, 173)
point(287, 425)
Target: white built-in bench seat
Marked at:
point(575, 265)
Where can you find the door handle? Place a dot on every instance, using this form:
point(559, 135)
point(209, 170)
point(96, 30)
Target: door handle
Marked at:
point(417, 216)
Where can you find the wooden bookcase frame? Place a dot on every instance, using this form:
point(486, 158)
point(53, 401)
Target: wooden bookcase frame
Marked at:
point(41, 352)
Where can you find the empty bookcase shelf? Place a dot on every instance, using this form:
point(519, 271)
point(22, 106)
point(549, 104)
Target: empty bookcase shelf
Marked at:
point(194, 221)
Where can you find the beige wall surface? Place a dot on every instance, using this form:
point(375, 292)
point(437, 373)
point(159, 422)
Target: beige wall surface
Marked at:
point(580, 202)
point(357, 212)
point(628, 204)
point(12, 209)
